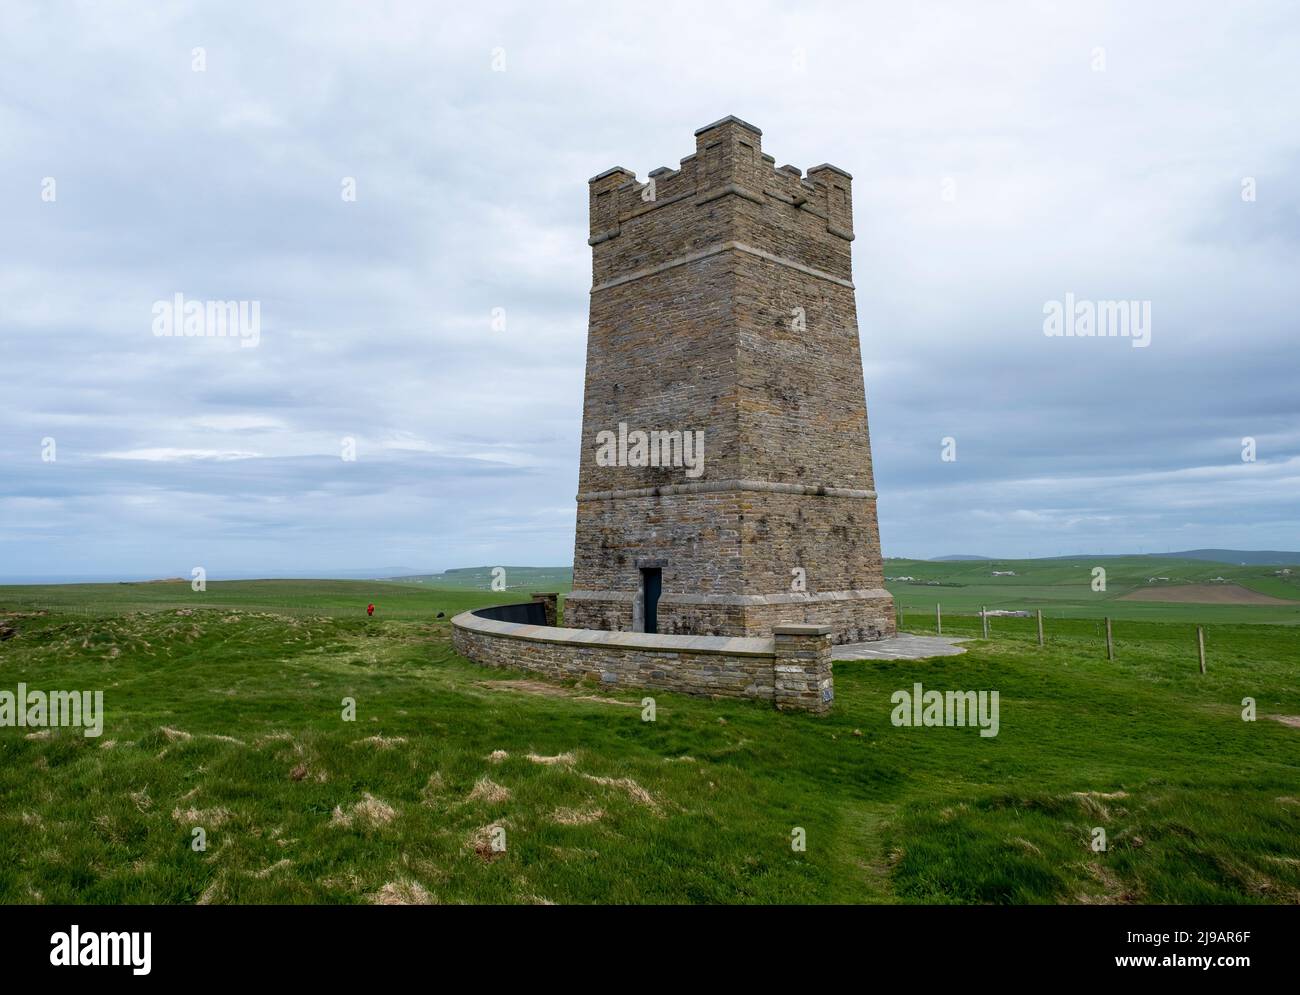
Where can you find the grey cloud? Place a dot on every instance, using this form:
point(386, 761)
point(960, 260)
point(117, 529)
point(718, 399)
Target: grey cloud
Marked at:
point(472, 196)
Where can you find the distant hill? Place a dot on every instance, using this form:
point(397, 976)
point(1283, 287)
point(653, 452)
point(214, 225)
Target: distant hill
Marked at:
point(1237, 557)
point(959, 556)
point(372, 573)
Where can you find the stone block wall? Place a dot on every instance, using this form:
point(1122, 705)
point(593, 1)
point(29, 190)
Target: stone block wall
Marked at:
point(745, 582)
point(791, 669)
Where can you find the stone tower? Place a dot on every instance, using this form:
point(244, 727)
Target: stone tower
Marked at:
point(722, 312)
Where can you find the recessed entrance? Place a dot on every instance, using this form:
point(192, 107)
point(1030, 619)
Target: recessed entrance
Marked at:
point(651, 585)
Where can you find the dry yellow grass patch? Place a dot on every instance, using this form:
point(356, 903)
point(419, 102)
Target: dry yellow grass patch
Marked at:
point(1112, 888)
point(432, 788)
point(140, 799)
point(349, 881)
point(487, 790)
point(402, 892)
point(526, 687)
point(43, 734)
point(607, 701)
point(481, 840)
point(370, 811)
point(577, 817)
point(635, 791)
point(559, 758)
point(266, 872)
point(108, 827)
point(1025, 845)
point(209, 818)
point(214, 892)
point(1094, 802)
point(496, 756)
point(175, 735)
point(273, 737)
point(381, 742)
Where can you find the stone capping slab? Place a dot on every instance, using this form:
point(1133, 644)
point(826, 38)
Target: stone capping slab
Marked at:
point(803, 630)
point(834, 169)
point(610, 172)
point(713, 251)
point(706, 486)
point(649, 641)
point(729, 119)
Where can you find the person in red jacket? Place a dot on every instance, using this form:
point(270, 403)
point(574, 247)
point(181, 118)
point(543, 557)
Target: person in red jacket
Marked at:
point(370, 608)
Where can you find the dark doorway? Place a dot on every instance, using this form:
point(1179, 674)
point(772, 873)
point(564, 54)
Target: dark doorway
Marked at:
point(651, 584)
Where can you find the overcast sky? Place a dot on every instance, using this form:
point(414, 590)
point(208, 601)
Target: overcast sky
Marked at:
point(1003, 155)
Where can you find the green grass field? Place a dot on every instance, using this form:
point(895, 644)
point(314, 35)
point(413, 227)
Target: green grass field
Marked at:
point(224, 711)
point(480, 579)
point(339, 598)
point(1063, 588)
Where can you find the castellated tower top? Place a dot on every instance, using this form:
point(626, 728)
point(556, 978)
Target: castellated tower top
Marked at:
point(726, 191)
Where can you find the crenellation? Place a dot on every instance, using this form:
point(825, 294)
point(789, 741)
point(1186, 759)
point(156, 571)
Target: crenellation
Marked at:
point(604, 202)
point(838, 198)
point(728, 165)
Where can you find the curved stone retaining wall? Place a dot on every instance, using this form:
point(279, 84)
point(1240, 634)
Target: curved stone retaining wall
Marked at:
point(791, 669)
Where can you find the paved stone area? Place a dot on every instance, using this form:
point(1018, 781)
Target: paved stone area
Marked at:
point(902, 647)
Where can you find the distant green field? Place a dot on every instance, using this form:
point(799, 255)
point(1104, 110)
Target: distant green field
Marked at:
point(337, 598)
point(1062, 588)
point(225, 714)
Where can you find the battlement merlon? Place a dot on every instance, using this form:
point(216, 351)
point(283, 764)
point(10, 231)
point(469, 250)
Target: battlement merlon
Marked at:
point(728, 160)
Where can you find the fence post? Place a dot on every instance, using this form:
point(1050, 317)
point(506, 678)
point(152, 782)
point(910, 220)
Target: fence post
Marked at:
point(1200, 646)
point(984, 619)
point(1110, 645)
point(938, 619)
point(1040, 627)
